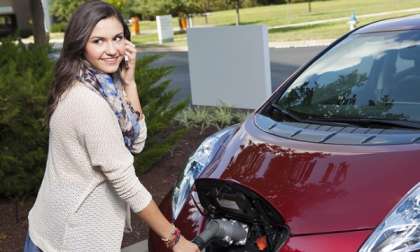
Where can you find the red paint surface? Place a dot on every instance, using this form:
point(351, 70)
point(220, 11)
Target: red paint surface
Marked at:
point(320, 188)
point(343, 242)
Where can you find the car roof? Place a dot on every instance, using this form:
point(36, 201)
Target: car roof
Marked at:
point(395, 24)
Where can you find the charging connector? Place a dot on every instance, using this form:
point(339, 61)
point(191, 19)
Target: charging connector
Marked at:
point(230, 231)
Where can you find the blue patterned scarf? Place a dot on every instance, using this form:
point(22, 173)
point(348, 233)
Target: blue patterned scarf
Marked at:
point(113, 93)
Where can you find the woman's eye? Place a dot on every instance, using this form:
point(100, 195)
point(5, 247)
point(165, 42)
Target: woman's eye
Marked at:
point(118, 38)
point(97, 41)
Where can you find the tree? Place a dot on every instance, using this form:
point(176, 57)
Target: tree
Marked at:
point(237, 4)
point(268, 2)
point(61, 10)
point(309, 6)
point(197, 6)
point(148, 9)
point(121, 5)
point(40, 35)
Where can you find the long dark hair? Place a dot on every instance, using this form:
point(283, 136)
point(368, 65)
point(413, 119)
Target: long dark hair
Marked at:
point(77, 34)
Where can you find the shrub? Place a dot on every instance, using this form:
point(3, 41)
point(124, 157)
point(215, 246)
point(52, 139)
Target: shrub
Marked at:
point(58, 27)
point(204, 117)
point(25, 75)
point(156, 100)
point(194, 118)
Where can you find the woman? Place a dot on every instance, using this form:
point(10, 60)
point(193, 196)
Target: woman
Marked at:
point(95, 121)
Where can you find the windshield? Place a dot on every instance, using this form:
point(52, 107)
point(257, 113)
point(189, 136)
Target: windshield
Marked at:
point(366, 76)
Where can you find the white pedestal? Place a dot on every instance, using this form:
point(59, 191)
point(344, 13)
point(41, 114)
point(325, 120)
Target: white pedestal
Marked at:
point(164, 28)
point(229, 65)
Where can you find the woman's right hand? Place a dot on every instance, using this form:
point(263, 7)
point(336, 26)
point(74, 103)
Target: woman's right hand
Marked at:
point(184, 245)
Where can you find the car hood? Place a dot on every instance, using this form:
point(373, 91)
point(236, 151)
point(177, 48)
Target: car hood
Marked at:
point(319, 188)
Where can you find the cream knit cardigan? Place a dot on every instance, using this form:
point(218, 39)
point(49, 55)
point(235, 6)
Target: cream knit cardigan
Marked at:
point(89, 181)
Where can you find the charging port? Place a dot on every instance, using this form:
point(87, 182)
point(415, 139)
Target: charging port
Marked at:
point(239, 219)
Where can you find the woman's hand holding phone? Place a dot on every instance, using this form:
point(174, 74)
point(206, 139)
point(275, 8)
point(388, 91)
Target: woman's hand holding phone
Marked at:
point(129, 63)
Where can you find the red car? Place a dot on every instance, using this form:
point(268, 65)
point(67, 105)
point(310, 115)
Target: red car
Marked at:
point(330, 162)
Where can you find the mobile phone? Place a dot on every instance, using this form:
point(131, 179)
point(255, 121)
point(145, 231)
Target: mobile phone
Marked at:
point(125, 62)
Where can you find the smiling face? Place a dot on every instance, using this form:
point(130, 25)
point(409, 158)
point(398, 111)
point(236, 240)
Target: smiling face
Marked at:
point(105, 48)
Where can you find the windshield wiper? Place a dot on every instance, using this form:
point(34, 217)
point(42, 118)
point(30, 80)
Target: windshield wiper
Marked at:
point(287, 113)
point(366, 122)
point(346, 122)
point(292, 115)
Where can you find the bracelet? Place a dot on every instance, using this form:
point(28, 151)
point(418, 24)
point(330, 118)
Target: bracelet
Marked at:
point(173, 238)
point(140, 115)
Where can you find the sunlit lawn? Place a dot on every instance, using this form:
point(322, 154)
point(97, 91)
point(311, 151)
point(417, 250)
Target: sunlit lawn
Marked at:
point(319, 31)
point(296, 13)
point(284, 14)
point(148, 40)
point(310, 32)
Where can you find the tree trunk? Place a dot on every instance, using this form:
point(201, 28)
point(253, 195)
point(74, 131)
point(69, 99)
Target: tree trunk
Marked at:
point(206, 11)
point(40, 35)
point(238, 21)
point(309, 6)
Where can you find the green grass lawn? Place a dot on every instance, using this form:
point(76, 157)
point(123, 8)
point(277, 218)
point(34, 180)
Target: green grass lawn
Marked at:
point(151, 40)
point(319, 31)
point(296, 13)
point(331, 30)
point(276, 15)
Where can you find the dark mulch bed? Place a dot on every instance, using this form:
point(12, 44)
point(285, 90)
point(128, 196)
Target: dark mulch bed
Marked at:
point(159, 180)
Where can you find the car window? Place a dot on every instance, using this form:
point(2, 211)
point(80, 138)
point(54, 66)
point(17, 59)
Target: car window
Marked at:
point(403, 64)
point(375, 75)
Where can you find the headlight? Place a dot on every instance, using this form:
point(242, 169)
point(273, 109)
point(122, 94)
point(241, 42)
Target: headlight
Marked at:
point(400, 231)
point(195, 166)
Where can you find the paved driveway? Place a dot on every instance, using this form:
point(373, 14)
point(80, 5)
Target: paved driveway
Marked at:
point(283, 62)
